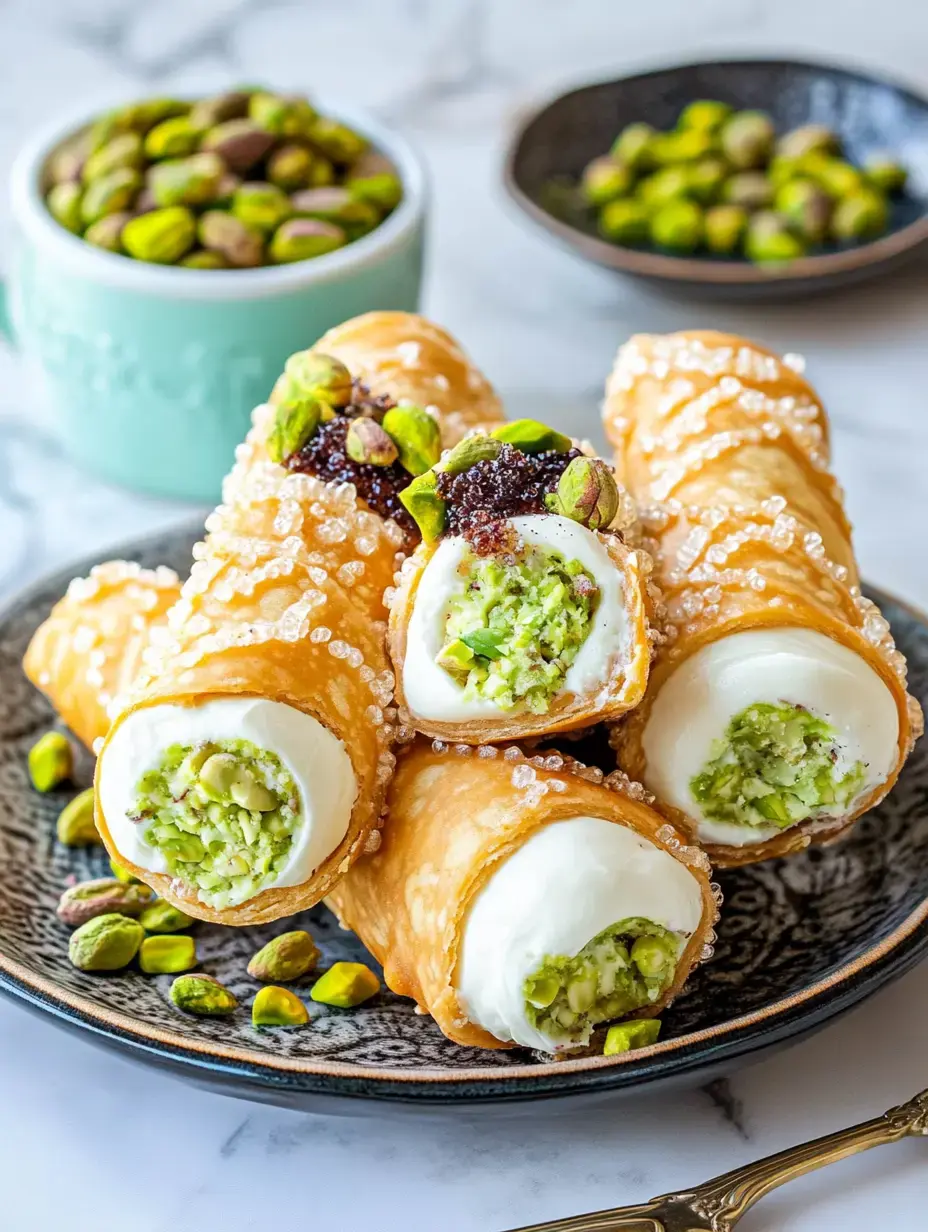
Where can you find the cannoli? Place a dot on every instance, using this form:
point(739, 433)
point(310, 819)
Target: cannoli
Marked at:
point(777, 710)
point(410, 359)
point(523, 902)
point(87, 653)
point(523, 612)
point(247, 770)
point(519, 900)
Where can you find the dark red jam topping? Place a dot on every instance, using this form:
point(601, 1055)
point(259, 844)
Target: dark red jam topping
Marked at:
point(324, 456)
point(511, 485)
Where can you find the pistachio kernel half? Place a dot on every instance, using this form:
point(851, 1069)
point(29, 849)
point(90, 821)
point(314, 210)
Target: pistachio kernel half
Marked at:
point(294, 424)
point(416, 435)
point(50, 761)
point(530, 436)
point(469, 452)
point(427, 508)
point(278, 1007)
point(367, 443)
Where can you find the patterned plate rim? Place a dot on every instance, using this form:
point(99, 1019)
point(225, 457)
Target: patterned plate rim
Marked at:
point(781, 1020)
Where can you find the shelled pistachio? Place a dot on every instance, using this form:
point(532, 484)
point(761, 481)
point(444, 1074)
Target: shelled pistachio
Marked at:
point(247, 153)
point(766, 196)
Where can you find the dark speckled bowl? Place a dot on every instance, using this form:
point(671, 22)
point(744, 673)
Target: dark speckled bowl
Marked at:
point(557, 141)
point(800, 941)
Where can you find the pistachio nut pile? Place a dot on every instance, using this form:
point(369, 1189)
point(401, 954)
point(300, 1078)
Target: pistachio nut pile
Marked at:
point(237, 180)
point(724, 182)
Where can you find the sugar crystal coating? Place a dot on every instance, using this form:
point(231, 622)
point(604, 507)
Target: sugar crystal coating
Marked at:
point(699, 556)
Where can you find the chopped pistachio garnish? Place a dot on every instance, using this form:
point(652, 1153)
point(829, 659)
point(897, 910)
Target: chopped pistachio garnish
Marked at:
point(776, 765)
point(223, 814)
point(161, 917)
point(202, 995)
point(167, 955)
point(468, 453)
point(523, 623)
point(626, 967)
point(285, 958)
point(586, 493)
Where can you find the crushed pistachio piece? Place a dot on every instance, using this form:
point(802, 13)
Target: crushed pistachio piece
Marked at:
point(416, 435)
point(627, 1036)
point(105, 943)
point(469, 452)
point(51, 761)
point(624, 968)
point(203, 995)
point(167, 955)
point(530, 436)
point(426, 506)
point(366, 442)
point(778, 764)
point(524, 623)
point(76, 826)
point(586, 493)
point(346, 985)
point(161, 917)
point(102, 896)
point(278, 1007)
point(223, 814)
point(294, 424)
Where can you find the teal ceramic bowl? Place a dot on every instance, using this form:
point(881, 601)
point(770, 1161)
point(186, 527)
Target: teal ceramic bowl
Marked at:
point(152, 371)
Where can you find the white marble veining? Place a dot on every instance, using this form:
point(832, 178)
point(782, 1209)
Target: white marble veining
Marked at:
point(88, 1142)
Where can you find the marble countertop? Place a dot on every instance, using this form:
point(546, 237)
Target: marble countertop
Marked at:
point(88, 1141)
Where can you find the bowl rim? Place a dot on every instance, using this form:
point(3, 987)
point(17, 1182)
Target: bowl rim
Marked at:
point(651, 264)
point(80, 259)
point(781, 1020)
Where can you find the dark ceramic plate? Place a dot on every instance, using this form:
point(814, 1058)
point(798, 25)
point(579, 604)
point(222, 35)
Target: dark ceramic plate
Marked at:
point(557, 141)
point(799, 942)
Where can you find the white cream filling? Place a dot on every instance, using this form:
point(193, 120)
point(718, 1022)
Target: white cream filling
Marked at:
point(317, 760)
point(432, 694)
point(798, 666)
point(567, 883)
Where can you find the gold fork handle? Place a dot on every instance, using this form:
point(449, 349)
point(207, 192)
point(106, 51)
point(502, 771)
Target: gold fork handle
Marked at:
point(720, 1203)
point(723, 1200)
point(625, 1220)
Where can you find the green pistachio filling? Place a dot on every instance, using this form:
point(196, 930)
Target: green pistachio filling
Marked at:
point(626, 967)
point(223, 814)
point(777, 765)
point(516, 627)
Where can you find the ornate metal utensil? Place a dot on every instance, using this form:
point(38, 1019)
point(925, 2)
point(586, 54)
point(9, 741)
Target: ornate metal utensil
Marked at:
point(717, 1205)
